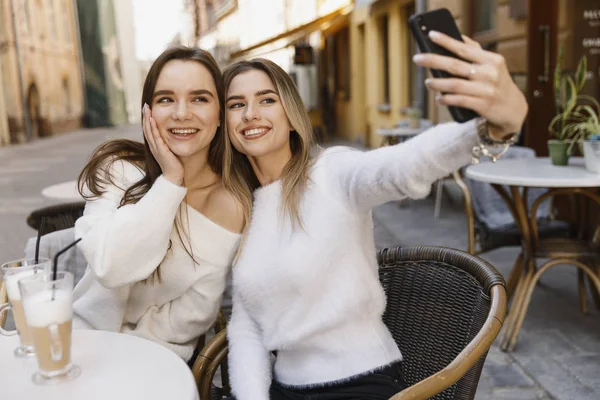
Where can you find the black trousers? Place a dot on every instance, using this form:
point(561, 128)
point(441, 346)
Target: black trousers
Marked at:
point(378, 385)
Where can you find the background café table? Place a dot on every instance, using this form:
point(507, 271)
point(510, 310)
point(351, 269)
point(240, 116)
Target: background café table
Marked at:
point(65, 191)
point(114, 366)
point(519, 175)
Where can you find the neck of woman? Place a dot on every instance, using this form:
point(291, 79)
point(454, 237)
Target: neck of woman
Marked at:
point(269, 167)
point(197, 173)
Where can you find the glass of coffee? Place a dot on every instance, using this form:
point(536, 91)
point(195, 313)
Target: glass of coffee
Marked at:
point(12, 272)
point(48, 303)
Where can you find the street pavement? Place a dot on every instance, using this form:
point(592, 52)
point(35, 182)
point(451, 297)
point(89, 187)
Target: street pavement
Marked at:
point(558, 352)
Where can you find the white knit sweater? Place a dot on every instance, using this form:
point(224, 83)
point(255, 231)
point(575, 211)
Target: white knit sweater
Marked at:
point(313, 294)
point(124, 246)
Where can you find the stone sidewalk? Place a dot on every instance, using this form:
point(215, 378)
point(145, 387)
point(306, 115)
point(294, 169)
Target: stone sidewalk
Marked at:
point(558, 352)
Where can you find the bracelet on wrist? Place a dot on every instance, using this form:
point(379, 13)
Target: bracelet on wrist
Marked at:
point(487, 145)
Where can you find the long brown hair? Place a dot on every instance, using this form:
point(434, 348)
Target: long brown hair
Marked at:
point(238, 175)
point(95, 175)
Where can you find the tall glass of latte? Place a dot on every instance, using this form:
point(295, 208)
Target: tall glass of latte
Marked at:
point(48, 304)
point(12, 272)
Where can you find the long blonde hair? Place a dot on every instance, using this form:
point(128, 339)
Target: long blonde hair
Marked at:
point(238, 175)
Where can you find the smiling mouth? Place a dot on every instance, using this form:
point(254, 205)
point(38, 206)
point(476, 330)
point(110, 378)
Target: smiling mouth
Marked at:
point(183, 132)
point(254, 133)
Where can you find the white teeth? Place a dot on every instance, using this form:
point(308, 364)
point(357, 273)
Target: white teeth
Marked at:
point(256, 131)
point(184, 131)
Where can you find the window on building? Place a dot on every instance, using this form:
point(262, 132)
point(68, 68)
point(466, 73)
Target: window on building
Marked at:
point(484, 16)
point(211, 16)
point(383, 26)
point(26, 21)
point(52, 18)
point(66, 23)
point(342, 64)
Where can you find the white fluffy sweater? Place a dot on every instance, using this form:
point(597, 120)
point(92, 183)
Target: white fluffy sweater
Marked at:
point(124, 246)
point(313, 294)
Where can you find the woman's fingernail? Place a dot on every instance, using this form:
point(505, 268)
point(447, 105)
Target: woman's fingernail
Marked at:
point(434, 34)
point(438, 98)
point(418, 57)
point(428, 81)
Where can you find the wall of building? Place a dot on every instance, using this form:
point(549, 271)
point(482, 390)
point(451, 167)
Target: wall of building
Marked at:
point(375, 103)
point(130, 67)
point(48, 63)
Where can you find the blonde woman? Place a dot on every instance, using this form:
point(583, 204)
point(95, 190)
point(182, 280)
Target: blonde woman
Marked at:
point(159, 228)
point(305, 284)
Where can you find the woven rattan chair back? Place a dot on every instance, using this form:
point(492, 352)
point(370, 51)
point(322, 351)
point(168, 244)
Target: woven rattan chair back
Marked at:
point(437, 301)
point(56, 218)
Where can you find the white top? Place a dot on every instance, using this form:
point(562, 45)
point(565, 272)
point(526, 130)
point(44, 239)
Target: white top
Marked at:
point(113, 366)
point(125, 245)
point(313, 293)
point(534, 172)
point(398, 131)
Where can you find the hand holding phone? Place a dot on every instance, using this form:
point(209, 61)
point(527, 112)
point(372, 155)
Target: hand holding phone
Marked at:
point(439, 20)
point(471, 81)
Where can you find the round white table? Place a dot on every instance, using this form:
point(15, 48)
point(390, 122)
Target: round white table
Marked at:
point(113, 366)
point(63, 191)
point(534, 172)
point(519, 175)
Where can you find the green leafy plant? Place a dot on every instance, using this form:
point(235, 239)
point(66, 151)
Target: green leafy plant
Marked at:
point(584, 122)
point(567, 97)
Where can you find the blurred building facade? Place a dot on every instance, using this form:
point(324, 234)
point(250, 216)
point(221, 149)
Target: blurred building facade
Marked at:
point(352, 60)
point(111, 70)
point(41, 86)
point(529, 35)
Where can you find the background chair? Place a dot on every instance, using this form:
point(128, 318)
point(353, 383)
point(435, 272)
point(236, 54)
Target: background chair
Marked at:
point(490, 224)
point(444, 308)
point(56, 217)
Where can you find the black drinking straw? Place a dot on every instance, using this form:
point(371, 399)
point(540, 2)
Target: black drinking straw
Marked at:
point(55, 261)
point(37, 241)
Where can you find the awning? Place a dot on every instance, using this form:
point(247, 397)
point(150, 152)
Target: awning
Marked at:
point(286, 38)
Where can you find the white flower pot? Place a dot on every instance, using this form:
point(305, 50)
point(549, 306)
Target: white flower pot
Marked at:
point(591, 154)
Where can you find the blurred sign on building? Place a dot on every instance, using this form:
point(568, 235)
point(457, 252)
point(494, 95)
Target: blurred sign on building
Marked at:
point(586, 41)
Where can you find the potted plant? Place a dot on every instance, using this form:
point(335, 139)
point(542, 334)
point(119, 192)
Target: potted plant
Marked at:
point(566, 97)
point(586, 128)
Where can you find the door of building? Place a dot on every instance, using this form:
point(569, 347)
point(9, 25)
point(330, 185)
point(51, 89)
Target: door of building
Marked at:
point(542, 32)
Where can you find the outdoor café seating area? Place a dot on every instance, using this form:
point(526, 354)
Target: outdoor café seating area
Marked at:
point(484, 285)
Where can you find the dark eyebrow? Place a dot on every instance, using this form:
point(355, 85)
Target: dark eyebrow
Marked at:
point(257, 94)
point(193, 92)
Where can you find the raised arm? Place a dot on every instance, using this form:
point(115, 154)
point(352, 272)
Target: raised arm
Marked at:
point(367, 179)
point(125, 245)
point(249, 362)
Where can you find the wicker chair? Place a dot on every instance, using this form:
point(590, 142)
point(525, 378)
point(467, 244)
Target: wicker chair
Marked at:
point(57, 217)
point(444, 308)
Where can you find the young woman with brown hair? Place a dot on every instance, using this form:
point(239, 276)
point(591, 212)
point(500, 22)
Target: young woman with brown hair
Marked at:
point(159, 229)
point(305, 283)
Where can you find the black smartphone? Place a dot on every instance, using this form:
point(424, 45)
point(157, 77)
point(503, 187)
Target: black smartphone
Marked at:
point(442, 21)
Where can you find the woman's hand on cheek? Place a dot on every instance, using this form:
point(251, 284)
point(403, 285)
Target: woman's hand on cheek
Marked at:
point(170, 165)
point(488, 88)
